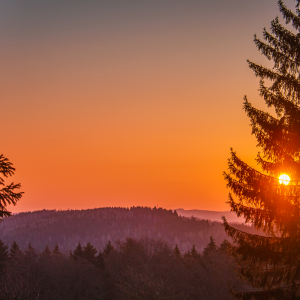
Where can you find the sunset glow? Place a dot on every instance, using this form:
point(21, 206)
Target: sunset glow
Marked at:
point(127, 103)
point(284, 179)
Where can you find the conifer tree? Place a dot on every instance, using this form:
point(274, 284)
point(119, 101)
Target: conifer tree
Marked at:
point(8, 194)
point(210, 248)
point(107, 249)
point(77, 253)
point(31, 253)
point(224, 247)
point(271, 262)
point(194, 252)
point(56, 250)
point(89, 253)
point(46, 253)
point(45, 257)
point(14, 250)
point(177, 252)
point(187, 254)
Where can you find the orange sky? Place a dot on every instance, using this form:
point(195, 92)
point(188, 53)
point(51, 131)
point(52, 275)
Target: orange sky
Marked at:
point(126, 104)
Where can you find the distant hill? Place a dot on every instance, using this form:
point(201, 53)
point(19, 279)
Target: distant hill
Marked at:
point(98, 226)
point(210, 215)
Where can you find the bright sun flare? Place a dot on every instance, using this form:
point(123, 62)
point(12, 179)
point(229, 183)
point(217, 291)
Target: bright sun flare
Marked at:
point(284, 179)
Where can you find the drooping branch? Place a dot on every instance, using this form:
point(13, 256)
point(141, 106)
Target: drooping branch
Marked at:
point(9, 194)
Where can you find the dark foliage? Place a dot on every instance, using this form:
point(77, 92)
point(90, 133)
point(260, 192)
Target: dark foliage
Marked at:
point(271, 263)
point(130, 269)
point(8, 194)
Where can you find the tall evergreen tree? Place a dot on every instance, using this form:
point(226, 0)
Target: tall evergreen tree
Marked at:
point(77, 253)
point(224, 247)
point(177, 252)
point(89, 253)
point(108, 249)
point(31, 253)
point(194, 252)
point(14, 250)
point(271, 262)
point(56, 250)
point(210, 248)
point(46, 254)
point(8, 194)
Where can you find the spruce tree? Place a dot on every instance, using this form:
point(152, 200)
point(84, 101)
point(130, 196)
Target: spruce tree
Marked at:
point(210, 248)
point(108, 249)
point(56, 250)
point(177, 252)
point(224, 247)
point(46, 253)
point(89, 253)
point(194, 252)
point(77, 253)
point(14, 250)
point(271, 261)
point(31, 253)
point(8, 194)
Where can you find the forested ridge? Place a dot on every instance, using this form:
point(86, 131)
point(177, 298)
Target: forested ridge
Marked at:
point(98, 226)
point(115, 253)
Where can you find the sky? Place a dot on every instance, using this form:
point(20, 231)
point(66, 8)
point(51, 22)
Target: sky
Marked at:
point(128, 103)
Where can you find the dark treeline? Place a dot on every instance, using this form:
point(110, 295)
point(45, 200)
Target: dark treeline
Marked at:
point(130, 269)
point(98, 226)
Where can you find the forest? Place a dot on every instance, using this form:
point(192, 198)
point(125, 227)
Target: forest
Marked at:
point(129, 269)
point(115, 253)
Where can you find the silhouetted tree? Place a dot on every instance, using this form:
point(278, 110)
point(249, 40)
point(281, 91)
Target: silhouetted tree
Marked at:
point(107, 249)
point(271, 262)
point(187, 254)
point(77, 253)
point(46, 254)
point(8, 194)
point(30, 253)
point(194, 252)
point(56, 250)
point(177, 252)
point(224, 247)
point(14, 250)
point(210, 248)
point(89, 253)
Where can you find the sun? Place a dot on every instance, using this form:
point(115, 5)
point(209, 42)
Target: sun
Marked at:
point(284, 179)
